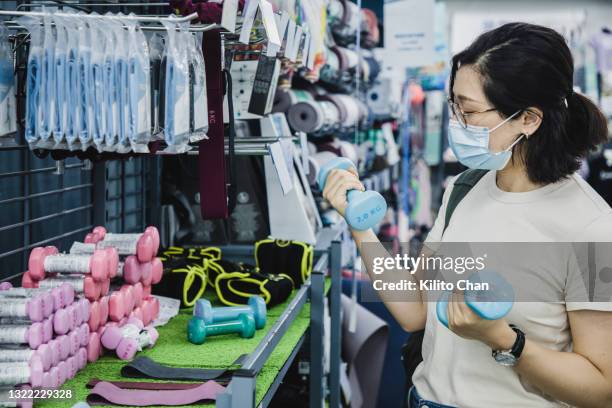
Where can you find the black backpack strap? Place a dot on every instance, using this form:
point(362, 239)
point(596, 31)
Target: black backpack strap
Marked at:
point(464, 183)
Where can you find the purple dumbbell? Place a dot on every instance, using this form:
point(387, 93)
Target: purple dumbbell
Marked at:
point(55, 352)
point(113, 335)
point(64, 343)
point(61, 321)
point(22, 372)
point(63, 372)
point(84, 334)
point(129, 346)
point(25, 308)
point(6, 285)
point(45, 297)
point(32, 334)
point(20, 355)
point(82, 357)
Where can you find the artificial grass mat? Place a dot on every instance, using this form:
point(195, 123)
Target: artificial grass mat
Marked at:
point(174, 350)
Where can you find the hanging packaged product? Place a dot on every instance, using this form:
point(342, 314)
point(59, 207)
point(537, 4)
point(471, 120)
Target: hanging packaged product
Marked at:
point(198, 103)
point(97, 80)
point(7, 89)
point(109, 80)
point(85, 84)
point(139, 90)
point(121, 86)
point(156, 49)
point(61, 92)
point(176, 105)
point(34, 79)
point(47, 84)
point(73, 87)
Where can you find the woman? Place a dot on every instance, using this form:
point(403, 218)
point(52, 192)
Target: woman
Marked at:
point(515, 114)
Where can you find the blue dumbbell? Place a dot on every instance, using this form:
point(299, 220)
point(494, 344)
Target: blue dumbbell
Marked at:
point(490, 304)
point(256, 307)
point(365, 208)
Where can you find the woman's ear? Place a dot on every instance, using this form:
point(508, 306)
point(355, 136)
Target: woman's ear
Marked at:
point(531, 119)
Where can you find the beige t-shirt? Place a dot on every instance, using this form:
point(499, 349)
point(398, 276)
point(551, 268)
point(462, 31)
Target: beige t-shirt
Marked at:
point(461, 372)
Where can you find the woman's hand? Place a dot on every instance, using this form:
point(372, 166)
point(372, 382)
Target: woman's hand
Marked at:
point(462, 320)
point(337, 184)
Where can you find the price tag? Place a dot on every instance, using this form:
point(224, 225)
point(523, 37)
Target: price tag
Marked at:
point(247, 23)
point(305, 152)
point(267, 14)
point(281, 165)
point(306, 48)
point(228, 16)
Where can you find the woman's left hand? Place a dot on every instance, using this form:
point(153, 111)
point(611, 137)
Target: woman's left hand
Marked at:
point(462, 320)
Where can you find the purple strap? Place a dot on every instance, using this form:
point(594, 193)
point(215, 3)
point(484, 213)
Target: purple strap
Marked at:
point(143, 385)
point(105, 393)
point(213, 188)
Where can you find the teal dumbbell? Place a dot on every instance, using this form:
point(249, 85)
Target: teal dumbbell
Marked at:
point(255, 307)
point(198, 330)
point(491, 304)
point(365, 208)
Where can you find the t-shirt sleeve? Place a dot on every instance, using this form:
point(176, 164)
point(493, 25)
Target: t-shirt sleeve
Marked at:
point(589, 283)
point(435, 234)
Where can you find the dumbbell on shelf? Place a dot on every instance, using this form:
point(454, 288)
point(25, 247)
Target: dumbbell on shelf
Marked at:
point(144, 245)
point(365, 209)
point(256, 307)
point(43, 353)
point(32, 334)
point(491, 304)
point(198, 330)
point(25, 308)
point(22, 372)
point(85, 285)
point(42, 261)
point(129, 346)
point(46, 297)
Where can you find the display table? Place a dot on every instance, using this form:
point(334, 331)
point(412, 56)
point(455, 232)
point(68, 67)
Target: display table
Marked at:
point(270, 352)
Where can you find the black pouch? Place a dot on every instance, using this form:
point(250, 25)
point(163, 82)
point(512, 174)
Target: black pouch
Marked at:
point(291, 258)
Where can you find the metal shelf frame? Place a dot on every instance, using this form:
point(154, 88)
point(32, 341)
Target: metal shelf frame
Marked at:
point(240, 392)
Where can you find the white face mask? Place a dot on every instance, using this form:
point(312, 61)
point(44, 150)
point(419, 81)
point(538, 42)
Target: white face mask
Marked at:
point(471, 146)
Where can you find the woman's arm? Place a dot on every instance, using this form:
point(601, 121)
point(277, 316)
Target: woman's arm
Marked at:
point(411, 312)
point(582, 377)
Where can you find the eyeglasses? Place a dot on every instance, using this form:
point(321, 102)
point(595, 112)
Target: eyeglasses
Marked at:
point(460, 115)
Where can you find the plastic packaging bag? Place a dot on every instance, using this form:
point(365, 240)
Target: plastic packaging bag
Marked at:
point(139, 90)
point(98, 45)
point(47, 95)
point(121, 85)
point(7, 90)
point(61, 86)
point(111, 111)
point(176, 106)
point(198, 102)
point(85, 105)
point(34, 79)
point(73, 88)
point(156, 49)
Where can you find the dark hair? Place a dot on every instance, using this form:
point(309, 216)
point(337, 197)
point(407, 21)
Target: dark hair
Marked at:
point(525, 65)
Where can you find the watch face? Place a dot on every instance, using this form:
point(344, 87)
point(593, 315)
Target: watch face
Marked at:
point(505, 358)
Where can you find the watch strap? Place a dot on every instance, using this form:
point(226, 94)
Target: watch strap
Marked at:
point(519, 343)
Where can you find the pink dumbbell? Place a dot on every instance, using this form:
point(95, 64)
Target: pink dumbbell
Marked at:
point(5, 285)
point(45, 296)
point(84, 309)
point(137, 291)
point(75, 341)
point(20, 355)
point(104, 310)
point(73, 366)
point(84, 334)
point(158, 270)
point(64, 343)
point(137, 313)
point(81, 284)
point(27, 281)
point(61, 321)
point(94, 316)
point(63, 295)
point(129, 346)
point(63, 372)
point(147, 274)
point(117, 306)
point(22, 372)
point(82, 357)
point(41, 262)
point(141, 245)
point(146, 291)
point(47, 329)
point(93, 347)
point(132, 270)
point(104, 287)
point(53, 379)
point(32, 334)
point(113, 334)
point(55, 347)
point(128, 296)
point(24, 308)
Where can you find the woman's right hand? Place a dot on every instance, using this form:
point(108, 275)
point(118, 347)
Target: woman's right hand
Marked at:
point(338, 183)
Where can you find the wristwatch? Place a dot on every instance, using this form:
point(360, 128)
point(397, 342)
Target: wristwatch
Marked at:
point(509, 358)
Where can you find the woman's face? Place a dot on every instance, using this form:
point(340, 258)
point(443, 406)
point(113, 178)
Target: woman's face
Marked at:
point(469, 95)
